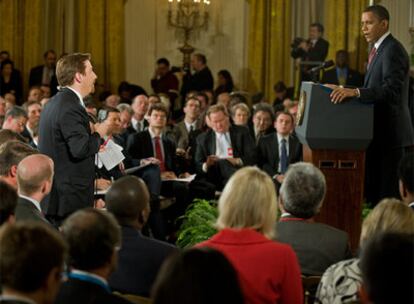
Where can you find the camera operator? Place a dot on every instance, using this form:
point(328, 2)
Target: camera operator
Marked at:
point(313, 49)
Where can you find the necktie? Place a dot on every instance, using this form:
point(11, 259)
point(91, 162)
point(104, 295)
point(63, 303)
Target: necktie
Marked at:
point(158, 153)
point(371, 56)
point(283, 157)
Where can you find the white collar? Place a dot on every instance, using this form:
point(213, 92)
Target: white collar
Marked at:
point(152, 134)
point(411, 205)
point(382, 38)
point(77, 94)
point(85, 273)
point(188, 125)
point(280, 137)
point(35, 202)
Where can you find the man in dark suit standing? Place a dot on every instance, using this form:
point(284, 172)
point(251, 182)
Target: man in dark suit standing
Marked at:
point(223, 149)
point(300, 200)
point(34, 181)
point(386, 86)
point(201, 80)
point(43, 74)
point(140, 257)
point(276, 151)
point(314, 49)
point(341, 74)
point(65, 135)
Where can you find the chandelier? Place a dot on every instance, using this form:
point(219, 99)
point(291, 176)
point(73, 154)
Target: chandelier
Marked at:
point(188, 16)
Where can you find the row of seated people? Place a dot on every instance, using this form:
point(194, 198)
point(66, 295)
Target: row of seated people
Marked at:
point(108, 252)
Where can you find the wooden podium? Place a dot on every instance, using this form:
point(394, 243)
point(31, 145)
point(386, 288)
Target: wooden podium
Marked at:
point(334, 138)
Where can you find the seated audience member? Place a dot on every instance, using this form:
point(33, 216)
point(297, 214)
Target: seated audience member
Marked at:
point(225, 83)
point(240, 114)
point(406, 179)
point(46, 91)
point(15, 119)
point(197, 276)
point(301, 197)
point(341, 281)
point(238, 97)
point(112, 100)
point(263, 118)
point(35, 94)
point(128, 91)
point(33, 110)
point(186, 132)
point(94, 238)
point(11, 154)
point(224, 149)
point(278, 150)
point(268, 271)
point(341, 74)
point(3, 110)
point(387, 269)
point(153, 147)
point(140, 106)
point(8, 135)
point(31, 263)
point(90, 106)
point(165, 81)
point(8, 203)
point(281, 93)
point(10, 81)
point(10, 101)
point(34, 182)
point(126, 115)
point(224, 99)
point(139, 258)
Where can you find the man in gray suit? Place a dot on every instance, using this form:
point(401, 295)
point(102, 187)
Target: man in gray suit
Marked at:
point(34, 181)
point(317, 245)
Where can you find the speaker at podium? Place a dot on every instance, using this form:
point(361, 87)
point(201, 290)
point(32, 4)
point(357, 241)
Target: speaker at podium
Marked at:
point(334, 138)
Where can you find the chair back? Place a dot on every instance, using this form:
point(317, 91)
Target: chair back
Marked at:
point(310, 285)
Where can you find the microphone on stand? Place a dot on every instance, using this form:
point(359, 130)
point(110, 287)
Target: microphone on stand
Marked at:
point(324, 65)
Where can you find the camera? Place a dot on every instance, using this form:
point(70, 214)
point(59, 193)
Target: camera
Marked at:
point(295, 43)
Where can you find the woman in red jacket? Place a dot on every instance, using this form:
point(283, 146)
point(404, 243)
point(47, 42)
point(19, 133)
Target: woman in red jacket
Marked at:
point(268, 271)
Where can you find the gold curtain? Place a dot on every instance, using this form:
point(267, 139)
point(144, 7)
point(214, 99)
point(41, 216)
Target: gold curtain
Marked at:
point(30, 27)
point(99, 30)
point(343, 30)
point(269, 45)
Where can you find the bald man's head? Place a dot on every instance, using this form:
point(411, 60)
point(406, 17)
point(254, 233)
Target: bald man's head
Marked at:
point(32, 173)
point(128, 200)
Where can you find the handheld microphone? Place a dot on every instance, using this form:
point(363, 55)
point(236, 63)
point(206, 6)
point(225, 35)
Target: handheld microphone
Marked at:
point(326, 64)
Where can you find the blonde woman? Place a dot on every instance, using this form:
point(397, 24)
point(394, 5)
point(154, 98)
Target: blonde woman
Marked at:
point(340, 282)
point(268, 271)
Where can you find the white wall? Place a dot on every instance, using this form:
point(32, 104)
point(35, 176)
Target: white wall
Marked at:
point(148, 37)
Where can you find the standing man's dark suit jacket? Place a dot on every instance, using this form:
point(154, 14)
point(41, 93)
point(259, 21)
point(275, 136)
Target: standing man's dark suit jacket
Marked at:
point(242, 143)
point(386, 86)
point(199, 81)
point(27, 211)
point(353, 79)
point(316, 245)
point(65, 136)
point(268, 153)
point(139, 261)
point(75, 291)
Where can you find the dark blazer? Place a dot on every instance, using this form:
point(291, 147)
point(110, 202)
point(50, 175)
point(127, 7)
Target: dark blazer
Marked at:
point(242, 143)
point(319, 51)
point(139, 146)
point(36, 75)
point(181, 134)
point(139, 260)
point(317, 245)
point(26, 211)
point(81, 292)
point(199, 81)
point(386, 85)
point(268, 153)
point(26, 135)
point(353, 79)
point(65, 136)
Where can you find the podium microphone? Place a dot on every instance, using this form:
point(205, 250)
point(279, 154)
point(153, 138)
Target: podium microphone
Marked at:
point(325, 65)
